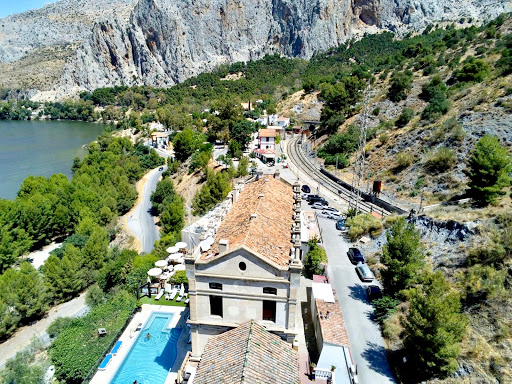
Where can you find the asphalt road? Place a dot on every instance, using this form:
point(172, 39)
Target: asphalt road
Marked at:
point(142, 222)
point(366, 343)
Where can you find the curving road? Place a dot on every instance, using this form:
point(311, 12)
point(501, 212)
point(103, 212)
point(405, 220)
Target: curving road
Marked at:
point(141, 222)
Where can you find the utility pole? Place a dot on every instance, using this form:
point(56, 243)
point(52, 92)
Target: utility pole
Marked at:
point(358, 174)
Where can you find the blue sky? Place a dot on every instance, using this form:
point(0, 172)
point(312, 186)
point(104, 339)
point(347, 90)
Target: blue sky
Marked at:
point(8, 7)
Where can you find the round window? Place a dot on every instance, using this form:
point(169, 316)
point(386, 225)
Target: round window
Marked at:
point(242, 266)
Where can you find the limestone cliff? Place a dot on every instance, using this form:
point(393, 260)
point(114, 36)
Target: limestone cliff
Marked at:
point(162, 42)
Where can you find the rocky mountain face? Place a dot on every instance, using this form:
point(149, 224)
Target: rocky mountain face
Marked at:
point(76, 45)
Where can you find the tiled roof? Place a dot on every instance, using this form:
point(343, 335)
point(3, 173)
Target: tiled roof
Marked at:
point(333, 328)
point(268, 133)
point(270, 232)
point(248, 354)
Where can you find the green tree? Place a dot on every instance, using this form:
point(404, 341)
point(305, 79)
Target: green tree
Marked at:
point(403, 256)
point(23, 292)
point(400, 85)
point(172, 218)
point(241, 132)
point(164, 188)
point(434, 326)
point(243, 164)
point(185, 143)
point(314, 259)
point(64, 277)
point(488, 170)
point(24, 369)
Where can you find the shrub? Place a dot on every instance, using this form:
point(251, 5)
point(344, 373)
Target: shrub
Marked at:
point(383, 308)
point(481, 283)
point(472, 71)
point(364, 224)
point(441, 160)
point(403, 160)
point(489, 170)
point(404, 118)
point(314, 259)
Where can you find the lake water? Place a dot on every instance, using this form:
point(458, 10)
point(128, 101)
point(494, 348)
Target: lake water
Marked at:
point(40, 148)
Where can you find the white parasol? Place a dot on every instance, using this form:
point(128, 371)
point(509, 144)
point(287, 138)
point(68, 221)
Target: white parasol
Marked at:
point(155, 272)
point(180, 267)
point(181, 245)
point(181, 260)
point(172, 249)
point(175, 256)
point(161, 263)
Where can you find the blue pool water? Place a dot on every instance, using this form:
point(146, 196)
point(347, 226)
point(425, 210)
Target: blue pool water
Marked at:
point(149, 361)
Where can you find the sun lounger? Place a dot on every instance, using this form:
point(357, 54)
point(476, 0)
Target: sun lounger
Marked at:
point(179, 298)
point(159, 296)
point(116, 348)
point(187, 301)
point(139, 327)
point(105, 362)
point(174, 293)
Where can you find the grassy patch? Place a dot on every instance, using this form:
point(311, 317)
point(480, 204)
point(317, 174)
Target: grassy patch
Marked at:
point(162, 301)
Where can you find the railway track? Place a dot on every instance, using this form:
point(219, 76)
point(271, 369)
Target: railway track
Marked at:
point(301, 161)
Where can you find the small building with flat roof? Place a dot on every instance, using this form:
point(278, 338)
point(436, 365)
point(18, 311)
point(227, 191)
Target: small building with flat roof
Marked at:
point(331, 337)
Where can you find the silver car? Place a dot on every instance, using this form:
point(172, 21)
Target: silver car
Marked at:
point(364, 272)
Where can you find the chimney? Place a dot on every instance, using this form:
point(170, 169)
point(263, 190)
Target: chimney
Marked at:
point(236, 192)
point(260, 174)
point(223, 246)
point(277, 174)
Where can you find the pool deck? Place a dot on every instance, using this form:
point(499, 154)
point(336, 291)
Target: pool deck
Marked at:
point(130, 335)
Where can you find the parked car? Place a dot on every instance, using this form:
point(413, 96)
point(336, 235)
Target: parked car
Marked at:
point(340, 225)
point(311, 196)
point(333, 215)
point(285, 165)
point(317, 205)
point(305, 188)
point(364, 272)
point(331, 209)
point(373, 292)
point(317, 199)
point(355, 256)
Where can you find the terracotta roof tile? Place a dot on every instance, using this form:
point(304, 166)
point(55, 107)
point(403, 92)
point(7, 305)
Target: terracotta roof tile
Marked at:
point(268, 132)
point(248, 354)
point(333, 329)
point(270, 232)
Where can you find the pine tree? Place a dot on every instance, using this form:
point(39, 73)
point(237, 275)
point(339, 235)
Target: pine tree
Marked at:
point(403, 257)
point(434, 326)
point(489, 170)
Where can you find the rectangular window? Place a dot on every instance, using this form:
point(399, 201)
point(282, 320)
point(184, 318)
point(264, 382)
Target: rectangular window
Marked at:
point(269, 310)
point(270, 291)
point(216, 286)
point(216, 306)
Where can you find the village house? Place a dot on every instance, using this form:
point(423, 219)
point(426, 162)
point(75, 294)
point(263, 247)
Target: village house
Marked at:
point(267, 138)
point(251, 271)
point(335, 361)
point(283, 122)
point(250, 355)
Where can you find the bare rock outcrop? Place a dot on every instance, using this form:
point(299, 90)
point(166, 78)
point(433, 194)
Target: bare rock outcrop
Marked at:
point(162, 42)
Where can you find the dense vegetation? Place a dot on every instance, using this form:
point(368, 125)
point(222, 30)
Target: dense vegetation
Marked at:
point(77, 347)
point(85, 209)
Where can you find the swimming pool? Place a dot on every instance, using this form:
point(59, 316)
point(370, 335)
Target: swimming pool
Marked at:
point(150, 360)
